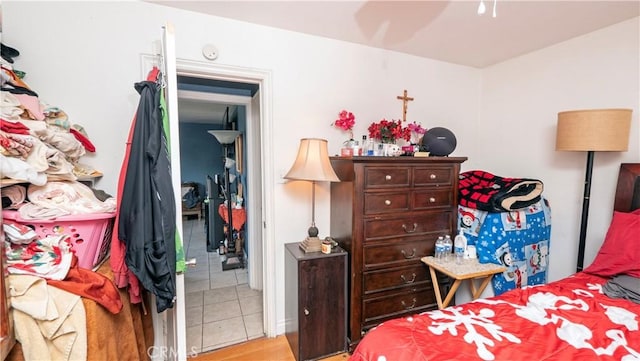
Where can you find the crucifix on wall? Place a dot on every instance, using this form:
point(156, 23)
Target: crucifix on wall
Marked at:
point(405, 100)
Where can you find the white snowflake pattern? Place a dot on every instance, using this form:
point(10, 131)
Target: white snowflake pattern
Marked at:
point(452, 317)
point(539, 309)
point(620, 316)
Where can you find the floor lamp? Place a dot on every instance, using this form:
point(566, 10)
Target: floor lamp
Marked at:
point(312, 164)
point(593, 130)
point(226, 138)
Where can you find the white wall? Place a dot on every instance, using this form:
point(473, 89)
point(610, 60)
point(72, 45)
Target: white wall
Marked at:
point(518, 116)
point(515, 132)
point(85, 57)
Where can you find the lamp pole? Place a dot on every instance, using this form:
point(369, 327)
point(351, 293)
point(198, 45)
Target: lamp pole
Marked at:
point(230, 242)
point(313, 230)
point(585, 211)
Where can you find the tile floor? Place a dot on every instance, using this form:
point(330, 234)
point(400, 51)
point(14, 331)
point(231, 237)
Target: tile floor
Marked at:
point(221, 309)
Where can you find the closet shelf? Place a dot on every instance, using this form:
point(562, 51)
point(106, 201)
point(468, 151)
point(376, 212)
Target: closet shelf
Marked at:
point(4, 182)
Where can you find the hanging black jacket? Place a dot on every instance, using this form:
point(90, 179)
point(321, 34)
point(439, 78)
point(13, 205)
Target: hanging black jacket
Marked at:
point(147, 222)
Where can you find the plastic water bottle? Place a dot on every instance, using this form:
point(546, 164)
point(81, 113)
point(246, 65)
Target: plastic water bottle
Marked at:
point(357, 151)
point(440, 248)
point(459, 246)
point(370, 148)
point(448, 247)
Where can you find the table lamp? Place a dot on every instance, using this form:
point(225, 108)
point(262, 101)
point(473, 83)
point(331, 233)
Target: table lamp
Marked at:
point(312, 164)
point(592, 130)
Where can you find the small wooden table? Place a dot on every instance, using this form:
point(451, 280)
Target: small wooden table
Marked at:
point(470, 269)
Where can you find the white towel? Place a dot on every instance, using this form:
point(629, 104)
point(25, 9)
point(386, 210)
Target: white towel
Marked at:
point(50, 323)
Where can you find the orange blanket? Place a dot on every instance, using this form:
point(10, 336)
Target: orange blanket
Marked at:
point(123, 336)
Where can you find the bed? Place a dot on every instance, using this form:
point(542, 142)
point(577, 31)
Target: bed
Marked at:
point(593, 314)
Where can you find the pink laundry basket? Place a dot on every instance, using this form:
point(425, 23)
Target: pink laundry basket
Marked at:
point(90, 234)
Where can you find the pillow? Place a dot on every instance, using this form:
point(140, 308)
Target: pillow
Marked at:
point(620, 252)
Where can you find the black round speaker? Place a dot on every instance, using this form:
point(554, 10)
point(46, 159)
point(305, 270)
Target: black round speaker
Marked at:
point(439, 142)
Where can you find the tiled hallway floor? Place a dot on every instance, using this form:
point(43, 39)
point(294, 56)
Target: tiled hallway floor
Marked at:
point(221, 309)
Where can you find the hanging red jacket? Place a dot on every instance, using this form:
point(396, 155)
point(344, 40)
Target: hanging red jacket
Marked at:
point(123, 277)
point(147, 223)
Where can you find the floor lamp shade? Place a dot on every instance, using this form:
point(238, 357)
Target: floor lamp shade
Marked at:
point(597, 130)
point(593, 130)
point(225, 136)
point(312, 164)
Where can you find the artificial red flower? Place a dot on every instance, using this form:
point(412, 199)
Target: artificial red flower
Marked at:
point(346, 121)
point(388, 131)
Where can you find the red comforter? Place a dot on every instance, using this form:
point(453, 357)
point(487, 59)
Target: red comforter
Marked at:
point(570, 319)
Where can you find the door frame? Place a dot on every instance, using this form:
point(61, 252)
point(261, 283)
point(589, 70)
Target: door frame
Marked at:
point(253, 191)
point(259, 143)
point(170, 330)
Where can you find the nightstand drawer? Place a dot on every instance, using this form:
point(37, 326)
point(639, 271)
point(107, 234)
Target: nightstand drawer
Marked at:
point(432, 198)
point(386, 177)
point(409, 301)
point(397, 253)
point(387, 279)
point(408, 224)
point(430, 176)
point(385, 202)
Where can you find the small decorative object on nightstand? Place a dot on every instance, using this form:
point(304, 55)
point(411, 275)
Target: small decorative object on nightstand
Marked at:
point(469, 269)
point(315, 302)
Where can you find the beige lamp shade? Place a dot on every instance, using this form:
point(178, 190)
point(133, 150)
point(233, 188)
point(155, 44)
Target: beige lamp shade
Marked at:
point(594, 130)
point(312, 162)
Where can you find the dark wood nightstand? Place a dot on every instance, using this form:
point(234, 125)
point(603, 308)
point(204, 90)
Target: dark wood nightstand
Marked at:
point(315, 302)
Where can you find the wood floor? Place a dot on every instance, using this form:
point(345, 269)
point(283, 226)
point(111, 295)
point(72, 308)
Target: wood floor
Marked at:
point(262, 349)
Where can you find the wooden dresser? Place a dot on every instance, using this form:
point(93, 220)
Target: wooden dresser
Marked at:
point(387, 213)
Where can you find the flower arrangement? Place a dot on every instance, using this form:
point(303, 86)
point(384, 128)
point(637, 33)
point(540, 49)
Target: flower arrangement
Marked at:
point(388, 131)
point(416, 131)
point(346, 120)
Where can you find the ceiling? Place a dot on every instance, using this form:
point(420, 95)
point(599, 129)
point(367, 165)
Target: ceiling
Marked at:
point(198, 109)
point(450, 31)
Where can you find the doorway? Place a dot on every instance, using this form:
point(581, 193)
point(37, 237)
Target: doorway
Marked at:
point(221, 308)
point(259, 279)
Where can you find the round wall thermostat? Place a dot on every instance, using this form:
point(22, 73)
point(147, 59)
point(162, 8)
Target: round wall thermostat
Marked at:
point(210, 52)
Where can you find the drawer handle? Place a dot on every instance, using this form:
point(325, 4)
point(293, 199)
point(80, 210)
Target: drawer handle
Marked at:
point(387, 202)
point(409, 307)
point(433, 176)
point(387, 177)
point(306, 312)
point(413, 254)
point(415, 227)
point(413, 278)
point(432, 199)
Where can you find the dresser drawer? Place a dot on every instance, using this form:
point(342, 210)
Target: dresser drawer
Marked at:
point(408, 224)
point(386, 177)
point(386, 202)
point(432, 198)
point(407, 302)
point(432, 176)
point(387, 279)
point(397, 253)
